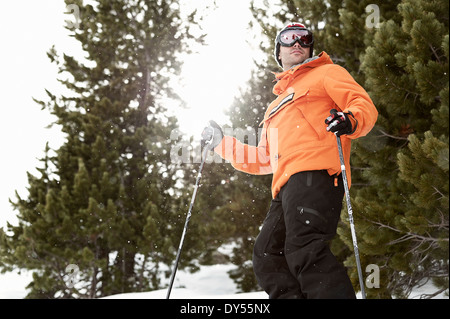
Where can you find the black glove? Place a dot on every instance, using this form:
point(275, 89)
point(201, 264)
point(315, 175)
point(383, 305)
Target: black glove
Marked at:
point(212, 135)
point(339, 123)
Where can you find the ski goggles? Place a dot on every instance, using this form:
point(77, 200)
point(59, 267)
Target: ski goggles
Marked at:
point(289, 37)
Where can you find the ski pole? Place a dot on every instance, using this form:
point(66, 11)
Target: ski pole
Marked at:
point(350, 212)
point(188, 217)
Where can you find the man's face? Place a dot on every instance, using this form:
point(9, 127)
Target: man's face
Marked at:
point(293, 55)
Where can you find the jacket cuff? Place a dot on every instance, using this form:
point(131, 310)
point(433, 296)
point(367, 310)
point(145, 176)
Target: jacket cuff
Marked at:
point(354, 122)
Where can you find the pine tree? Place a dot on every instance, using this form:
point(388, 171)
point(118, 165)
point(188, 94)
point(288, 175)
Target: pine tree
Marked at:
point(404, 211)
point(103, 201)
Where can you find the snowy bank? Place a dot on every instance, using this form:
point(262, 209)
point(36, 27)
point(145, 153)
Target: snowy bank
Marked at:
point(213, 282)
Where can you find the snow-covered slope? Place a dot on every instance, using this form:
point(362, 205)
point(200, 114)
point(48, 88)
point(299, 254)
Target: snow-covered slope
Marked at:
point(213, 282)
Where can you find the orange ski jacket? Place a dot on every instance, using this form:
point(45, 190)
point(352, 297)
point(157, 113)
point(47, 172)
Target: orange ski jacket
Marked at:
point(294, 136)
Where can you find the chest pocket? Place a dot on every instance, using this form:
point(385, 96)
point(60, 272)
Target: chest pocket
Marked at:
point(281, 102)
point(316, 110)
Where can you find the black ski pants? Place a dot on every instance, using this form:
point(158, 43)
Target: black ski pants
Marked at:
point(291, 256)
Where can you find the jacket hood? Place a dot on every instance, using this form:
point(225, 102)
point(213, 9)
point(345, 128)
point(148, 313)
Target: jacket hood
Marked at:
point(284, 78)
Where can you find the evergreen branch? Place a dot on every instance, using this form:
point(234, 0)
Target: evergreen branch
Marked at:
point(408, 236)
point(384, 134)
point(435, 53)
point(430, 296)
point(442, 225)
point(438, 192)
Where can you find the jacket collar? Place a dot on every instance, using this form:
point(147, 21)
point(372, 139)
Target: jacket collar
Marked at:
point(284, 78)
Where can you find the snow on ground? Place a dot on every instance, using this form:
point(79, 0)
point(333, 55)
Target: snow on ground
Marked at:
point(211, 282)
point(12, 284)
point(183, 293)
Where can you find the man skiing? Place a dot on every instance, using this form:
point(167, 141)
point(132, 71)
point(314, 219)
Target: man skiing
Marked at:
point(291, 256)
